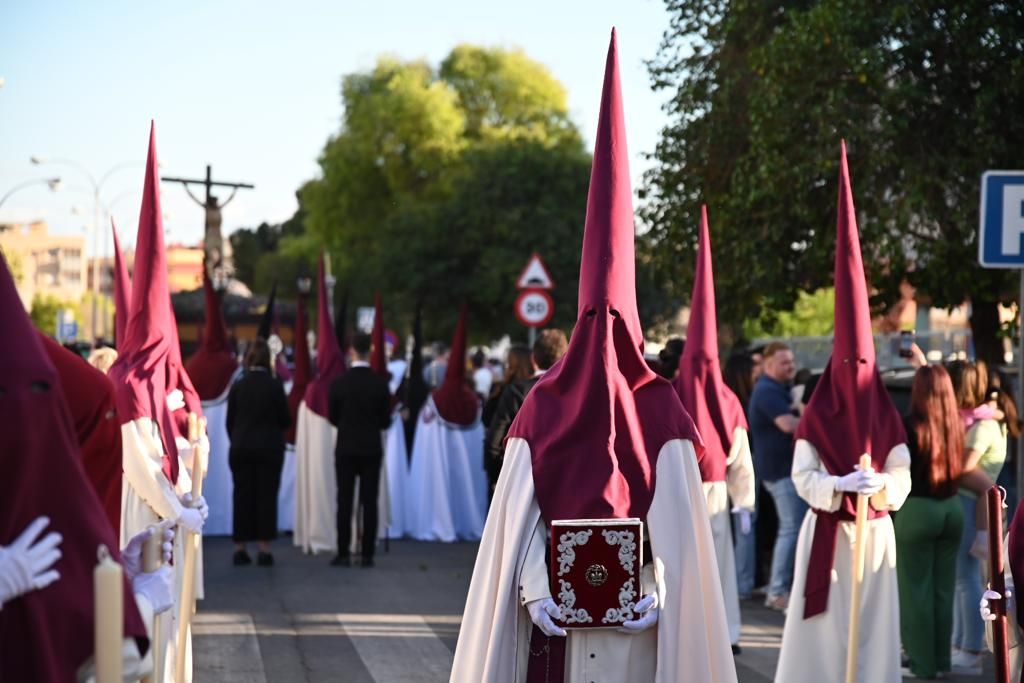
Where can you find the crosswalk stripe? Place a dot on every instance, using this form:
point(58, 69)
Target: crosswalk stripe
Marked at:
point(400, 648)
point(225, 648)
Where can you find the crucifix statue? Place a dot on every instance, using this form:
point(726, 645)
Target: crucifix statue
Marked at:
point(216, 259)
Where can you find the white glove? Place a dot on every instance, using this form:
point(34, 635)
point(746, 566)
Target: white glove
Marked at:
point(192, 520)
point(648, 610)
point(987, 597)
point(175, 400)
point(131, 555)
point(25, 565)
point(199, 505)
point(743, 516)
point(541, 611)
point(866, 482)
point(156, 587)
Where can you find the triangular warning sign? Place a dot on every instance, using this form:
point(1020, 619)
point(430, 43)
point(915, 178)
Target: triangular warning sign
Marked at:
point(535, 275)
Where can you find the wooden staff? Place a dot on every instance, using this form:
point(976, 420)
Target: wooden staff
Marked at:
point(997, 583)
point(196, 427)
point(152, 558)
point(859, 549)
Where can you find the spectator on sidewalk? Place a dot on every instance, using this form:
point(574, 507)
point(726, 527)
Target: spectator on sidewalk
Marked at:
point(930, 524)
point(773, 421)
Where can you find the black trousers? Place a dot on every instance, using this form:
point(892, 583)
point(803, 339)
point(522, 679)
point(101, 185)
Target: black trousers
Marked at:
point(257, 478)
point(366, 468)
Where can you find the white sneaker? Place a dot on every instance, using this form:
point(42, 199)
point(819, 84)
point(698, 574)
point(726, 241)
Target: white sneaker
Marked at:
point(966, 663)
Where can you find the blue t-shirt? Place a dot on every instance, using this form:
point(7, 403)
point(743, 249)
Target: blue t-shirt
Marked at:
point(772, 448)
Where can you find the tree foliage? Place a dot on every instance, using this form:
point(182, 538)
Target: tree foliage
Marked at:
point(441, 183)
point(926, 95)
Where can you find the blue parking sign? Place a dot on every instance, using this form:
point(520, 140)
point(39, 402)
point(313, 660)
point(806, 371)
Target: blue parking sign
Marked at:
point(1001, 231)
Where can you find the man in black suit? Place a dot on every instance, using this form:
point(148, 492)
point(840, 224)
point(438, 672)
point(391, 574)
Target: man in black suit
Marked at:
point(359, 405)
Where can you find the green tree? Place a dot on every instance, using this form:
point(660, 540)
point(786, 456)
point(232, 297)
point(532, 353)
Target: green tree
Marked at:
point(259, 254)
point(45, 308)
point(440, 184)
point(924, 93)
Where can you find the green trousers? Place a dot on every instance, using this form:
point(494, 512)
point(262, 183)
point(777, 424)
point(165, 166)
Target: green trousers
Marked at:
point(927, 537)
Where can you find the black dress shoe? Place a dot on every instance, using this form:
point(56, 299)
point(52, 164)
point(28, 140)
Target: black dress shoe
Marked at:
point(242, 558)
point(265, 560)
point(737, 650)
point(367, 562)
point(341, 561)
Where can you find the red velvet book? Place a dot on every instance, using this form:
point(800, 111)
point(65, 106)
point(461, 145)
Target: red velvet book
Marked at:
point(595, 570)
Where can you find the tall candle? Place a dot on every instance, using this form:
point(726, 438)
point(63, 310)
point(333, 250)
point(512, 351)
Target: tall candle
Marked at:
point(108, 584)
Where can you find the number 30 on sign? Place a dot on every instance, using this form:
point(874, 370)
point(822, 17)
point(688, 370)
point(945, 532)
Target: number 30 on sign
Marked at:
point(534, 307)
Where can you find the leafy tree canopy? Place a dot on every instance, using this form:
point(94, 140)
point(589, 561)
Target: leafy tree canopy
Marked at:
point(926, 95)
point(441, 183)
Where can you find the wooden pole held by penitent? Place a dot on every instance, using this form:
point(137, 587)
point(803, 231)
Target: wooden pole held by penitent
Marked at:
point(859, 549)
point(196, 428)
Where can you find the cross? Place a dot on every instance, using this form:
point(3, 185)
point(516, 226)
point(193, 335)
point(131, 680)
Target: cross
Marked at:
point(213, 241)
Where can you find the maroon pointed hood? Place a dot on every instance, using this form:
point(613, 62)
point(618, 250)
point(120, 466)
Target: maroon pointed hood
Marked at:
point(715, 409)
point(598, 418)
point(143, 373)
point(303, 366)
point(90, 398)
point(378, 356)
point(329, 361)
point(122, 290)
point(456, 402)
point(47, 634)
point(213, 365)
point(850, 412)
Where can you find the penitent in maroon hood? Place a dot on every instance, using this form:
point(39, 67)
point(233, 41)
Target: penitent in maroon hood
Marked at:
point(596, 421)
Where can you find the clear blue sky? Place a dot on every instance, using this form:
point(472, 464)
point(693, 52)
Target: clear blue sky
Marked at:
point(253, 88)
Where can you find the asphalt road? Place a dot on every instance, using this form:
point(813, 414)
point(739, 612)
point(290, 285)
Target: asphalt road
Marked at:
point(303, 620)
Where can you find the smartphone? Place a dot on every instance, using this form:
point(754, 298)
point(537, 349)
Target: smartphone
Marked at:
point(907, 344)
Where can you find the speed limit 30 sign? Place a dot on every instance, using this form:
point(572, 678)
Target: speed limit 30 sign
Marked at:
point(534, 307)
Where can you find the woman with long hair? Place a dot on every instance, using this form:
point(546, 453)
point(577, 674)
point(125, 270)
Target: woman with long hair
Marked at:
point(518, 366)
point(930, 524)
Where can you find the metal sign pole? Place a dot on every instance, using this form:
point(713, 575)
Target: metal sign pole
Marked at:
point(533, 330)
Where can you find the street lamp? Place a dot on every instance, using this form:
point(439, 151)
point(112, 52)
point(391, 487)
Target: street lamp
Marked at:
point(97, 186)
point(54, 184)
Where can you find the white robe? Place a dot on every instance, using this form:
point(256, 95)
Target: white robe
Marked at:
point(286, 493)
point(218, 487)
point(396, 470)
point(316, 488)
point(815, 649)
point(690, 642)
point(738, 487)
point(447, 490)
point(146, 498)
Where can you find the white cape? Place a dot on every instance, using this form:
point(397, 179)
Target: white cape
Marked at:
point(815, 649)
point(739, 488)
point(218, 487)
point(447, 489)
point(286, 493)
point(396, 476)
point(146, 498)
point(690, 642)
point(316, 488)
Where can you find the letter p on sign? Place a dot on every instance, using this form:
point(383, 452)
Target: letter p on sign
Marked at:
point(1001, 224)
